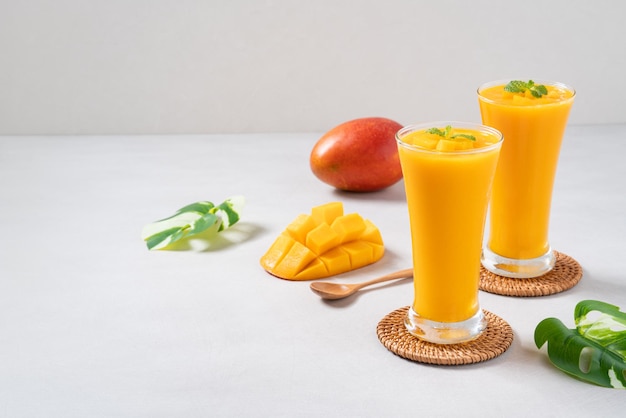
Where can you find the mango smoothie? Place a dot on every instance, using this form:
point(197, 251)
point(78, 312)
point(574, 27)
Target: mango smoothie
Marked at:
point(533, 125)
point(448, 171)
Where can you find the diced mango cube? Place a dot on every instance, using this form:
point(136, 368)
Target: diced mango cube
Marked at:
point(277, 251)
point(300, 227)
point(348, 227)
point(314, 270)
point(337, 260)
point(327, 213)
point(446, 145)
point(360, 253)
point(296, 259)
point(371, 233)
point(379, 250)
point(322, 238)
point(425, 141)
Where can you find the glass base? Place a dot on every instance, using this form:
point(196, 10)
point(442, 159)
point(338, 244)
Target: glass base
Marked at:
point(445, 332)
point(518, 268)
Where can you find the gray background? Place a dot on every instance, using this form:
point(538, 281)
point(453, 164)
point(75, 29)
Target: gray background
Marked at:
point(197, 66)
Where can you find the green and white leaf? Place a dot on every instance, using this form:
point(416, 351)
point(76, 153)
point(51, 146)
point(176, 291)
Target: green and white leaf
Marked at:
point(191, 220)
point(595, 351)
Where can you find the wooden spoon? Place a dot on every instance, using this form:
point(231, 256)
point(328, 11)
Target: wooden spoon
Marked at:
point(328, 290)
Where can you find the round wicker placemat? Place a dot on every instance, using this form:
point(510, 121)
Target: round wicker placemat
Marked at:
point(494, 340)
point(565, 275)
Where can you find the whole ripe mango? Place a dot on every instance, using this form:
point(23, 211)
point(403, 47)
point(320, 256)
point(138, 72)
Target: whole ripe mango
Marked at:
point(360, 155)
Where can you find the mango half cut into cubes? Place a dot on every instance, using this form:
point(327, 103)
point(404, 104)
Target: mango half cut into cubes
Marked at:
point(322, 244)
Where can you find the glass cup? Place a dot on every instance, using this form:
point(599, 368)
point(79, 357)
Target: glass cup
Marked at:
point(517, 244)
point(447, 192)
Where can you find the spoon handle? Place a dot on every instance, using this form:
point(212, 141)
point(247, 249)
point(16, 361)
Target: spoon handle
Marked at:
point(391, 276)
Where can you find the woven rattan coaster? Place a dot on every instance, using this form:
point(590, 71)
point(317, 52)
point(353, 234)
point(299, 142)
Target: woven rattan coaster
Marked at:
point(494, 340)
point(565, 275)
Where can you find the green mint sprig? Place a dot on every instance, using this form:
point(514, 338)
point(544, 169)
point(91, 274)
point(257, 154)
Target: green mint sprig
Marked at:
point(517, 86)
point(192, 220)
point(445, 133)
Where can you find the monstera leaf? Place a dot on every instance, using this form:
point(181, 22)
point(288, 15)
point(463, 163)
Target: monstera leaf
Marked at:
point(595, 351)
point(191, 220)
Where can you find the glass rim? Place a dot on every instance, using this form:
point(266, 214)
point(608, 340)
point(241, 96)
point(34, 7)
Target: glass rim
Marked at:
point(455, 124)
point(494, 83)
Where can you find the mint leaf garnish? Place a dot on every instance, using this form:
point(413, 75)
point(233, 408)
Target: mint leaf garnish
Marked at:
point(445, 133)
point(517, 86)
point(437, 131)
point(466, 136)
point(539, 90)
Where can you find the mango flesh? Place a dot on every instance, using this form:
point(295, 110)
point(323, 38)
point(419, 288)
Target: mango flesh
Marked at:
point(322, 244)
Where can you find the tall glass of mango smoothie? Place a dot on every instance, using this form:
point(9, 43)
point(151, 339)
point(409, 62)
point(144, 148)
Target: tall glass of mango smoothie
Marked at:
point(448, 169)
point(532, 116)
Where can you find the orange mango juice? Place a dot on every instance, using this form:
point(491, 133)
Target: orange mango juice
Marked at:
point(522, 190)
point(447, 182)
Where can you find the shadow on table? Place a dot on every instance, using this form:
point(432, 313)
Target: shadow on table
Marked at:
point(347, 301)
point(212, 241)
point(393, 193)
point(385, 266)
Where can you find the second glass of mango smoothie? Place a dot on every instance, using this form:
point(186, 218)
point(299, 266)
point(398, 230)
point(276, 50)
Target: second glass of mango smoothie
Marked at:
point(448, 169)
point(532, 116)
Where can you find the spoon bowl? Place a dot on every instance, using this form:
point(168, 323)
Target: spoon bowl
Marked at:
point(330, 290)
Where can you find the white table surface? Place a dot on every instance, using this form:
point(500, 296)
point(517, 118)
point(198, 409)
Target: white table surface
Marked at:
point(92, 324)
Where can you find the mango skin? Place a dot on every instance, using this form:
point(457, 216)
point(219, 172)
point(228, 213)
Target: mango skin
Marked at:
point(360, 155)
